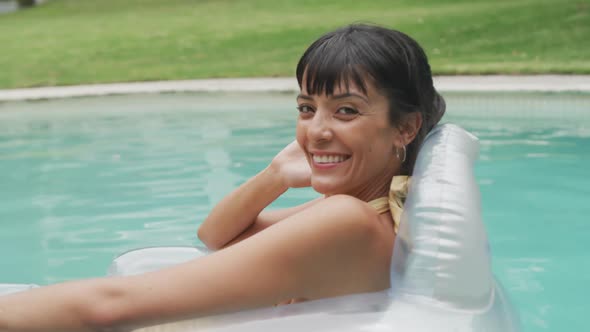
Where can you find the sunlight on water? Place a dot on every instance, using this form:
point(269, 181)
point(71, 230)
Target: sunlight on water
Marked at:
point(82, 180)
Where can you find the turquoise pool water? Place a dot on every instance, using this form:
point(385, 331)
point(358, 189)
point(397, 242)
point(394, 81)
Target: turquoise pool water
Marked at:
point(82, 180)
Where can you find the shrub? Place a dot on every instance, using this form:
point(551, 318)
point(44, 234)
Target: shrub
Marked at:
point(26, 3)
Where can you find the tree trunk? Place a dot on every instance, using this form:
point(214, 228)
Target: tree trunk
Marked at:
point(26, 3)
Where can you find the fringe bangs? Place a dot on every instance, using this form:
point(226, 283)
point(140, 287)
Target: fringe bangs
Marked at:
point(329, 64)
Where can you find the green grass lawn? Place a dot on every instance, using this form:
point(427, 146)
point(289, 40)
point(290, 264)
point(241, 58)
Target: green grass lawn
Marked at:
point(94, 41)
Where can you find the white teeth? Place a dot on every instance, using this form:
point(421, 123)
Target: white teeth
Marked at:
point(324, 159)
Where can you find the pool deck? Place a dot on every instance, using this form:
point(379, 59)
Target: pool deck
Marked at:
point(496, 83)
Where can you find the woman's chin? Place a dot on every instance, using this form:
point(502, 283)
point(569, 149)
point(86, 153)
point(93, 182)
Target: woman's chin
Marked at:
point(327, 189)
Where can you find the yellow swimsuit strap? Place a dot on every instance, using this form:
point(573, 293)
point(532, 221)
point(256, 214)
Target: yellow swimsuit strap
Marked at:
point(380, 204)
point(398, 192)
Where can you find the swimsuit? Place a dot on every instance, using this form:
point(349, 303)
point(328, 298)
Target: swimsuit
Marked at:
point(395, 201)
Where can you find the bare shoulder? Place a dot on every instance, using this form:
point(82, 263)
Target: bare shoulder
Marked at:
point(336, 247)
point(338, 215)
point(339, 219)
point(333, 247)
point(347, 209)
point(349, 204)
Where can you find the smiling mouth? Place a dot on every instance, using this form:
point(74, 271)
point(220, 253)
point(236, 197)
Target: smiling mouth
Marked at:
point(329, 159)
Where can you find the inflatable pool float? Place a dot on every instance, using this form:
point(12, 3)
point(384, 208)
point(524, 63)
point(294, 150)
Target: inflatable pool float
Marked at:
point(441, 274)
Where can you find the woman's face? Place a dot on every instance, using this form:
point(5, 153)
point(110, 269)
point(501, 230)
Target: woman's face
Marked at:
point(348, 141)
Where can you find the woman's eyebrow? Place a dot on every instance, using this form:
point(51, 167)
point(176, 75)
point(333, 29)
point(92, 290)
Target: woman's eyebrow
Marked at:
point(340, 96)
point(350, 94)
point(302, 96)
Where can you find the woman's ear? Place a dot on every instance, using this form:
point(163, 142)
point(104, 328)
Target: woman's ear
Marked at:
point(411, 124)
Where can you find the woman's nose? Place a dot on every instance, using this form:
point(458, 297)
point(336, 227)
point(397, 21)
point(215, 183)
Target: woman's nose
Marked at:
point(320, 128)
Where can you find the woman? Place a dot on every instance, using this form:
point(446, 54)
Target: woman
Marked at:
point(366, 103)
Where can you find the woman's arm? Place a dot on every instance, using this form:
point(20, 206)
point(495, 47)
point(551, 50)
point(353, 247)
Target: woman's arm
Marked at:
point(71, 306)
point(239, 213)
point(268, 218)
point(335, 247)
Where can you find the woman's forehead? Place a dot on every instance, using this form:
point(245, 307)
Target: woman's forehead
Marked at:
point(325, 79)
point(341, 87)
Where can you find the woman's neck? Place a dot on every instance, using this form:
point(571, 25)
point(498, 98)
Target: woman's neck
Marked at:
point(375, 188)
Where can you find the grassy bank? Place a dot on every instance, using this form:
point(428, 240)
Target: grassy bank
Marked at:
point(87, 41)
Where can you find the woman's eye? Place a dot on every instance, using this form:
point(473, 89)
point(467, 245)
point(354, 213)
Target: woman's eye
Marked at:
point(304, 109)
point(347, 111)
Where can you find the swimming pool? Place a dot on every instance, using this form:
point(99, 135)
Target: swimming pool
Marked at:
point(84, 179)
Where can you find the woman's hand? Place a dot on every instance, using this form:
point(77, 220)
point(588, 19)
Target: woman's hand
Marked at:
point(292, 166)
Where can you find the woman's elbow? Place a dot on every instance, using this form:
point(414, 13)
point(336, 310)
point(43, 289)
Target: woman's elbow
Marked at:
point(105, 306)
point(209, 239)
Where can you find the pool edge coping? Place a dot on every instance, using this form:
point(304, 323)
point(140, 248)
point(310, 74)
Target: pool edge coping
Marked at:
point(491, 83)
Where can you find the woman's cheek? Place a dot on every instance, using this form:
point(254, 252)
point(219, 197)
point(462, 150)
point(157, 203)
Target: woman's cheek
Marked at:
point(300, 134)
